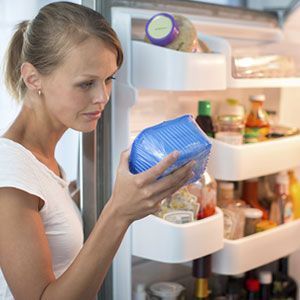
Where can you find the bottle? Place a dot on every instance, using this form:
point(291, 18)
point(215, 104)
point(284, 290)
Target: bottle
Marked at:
point(284, 286)
point(253, 217)
point(266, 193)
point(265, 280)
point(139, 292)
point(201, 273)
point(233, 211)
point(252, 287)
point(231, 117)
point(294, 176)
point(257, 123)
point(205, 191)
point(225, 193)
point(204, 119)
point(235, 287)
point(282, 207)
point(250, 195)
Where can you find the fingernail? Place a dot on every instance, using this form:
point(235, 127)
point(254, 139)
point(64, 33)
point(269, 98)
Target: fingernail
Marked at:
point(175, 154)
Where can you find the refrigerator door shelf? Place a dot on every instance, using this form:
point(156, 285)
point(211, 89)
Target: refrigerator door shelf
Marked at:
point(159, 240)
point(239, 256)
point(240, 162)
point(160, 68)
point(223, 45)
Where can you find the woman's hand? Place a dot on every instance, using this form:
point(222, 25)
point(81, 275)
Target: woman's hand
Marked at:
point(136, 196)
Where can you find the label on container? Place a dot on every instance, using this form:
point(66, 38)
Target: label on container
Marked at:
point(179, 216)
point(160, 27)
point(256, 134)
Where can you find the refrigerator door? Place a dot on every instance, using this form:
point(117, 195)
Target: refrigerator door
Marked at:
point(101, 150)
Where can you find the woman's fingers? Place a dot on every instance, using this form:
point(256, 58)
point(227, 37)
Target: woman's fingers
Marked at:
point(173, 180)
point(153, 173)
point(168, 185)
point(124, 159)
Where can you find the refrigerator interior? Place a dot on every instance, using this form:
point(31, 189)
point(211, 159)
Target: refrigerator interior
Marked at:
point(140, 101)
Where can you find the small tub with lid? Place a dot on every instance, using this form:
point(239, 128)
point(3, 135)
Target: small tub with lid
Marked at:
point(166, 291)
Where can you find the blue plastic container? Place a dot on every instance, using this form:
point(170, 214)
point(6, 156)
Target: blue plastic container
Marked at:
point(181, 134)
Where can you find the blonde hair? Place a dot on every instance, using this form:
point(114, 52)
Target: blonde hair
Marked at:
point(45, 41)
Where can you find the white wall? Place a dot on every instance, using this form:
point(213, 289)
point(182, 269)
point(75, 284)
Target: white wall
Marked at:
point(11, 13)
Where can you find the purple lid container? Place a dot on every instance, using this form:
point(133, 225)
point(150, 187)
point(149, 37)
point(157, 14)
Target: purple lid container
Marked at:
point(161, 29)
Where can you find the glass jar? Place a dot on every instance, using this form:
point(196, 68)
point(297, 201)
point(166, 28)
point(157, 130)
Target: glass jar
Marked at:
point(253, 217)
point(257, 121)
point(205, 189)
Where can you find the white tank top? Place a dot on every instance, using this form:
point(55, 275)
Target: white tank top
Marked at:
point(20, 169)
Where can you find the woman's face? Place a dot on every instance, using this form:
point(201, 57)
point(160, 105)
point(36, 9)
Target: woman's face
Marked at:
point(77, 91)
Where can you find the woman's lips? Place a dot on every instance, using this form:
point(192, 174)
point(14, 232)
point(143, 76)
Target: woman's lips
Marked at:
point(94, 115)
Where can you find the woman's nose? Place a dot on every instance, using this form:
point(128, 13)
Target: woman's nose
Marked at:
point(101, 95)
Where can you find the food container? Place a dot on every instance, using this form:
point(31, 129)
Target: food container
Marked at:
point(181, 134)
point(166, 291)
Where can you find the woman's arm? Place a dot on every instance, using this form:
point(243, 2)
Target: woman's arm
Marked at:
point(25, 258)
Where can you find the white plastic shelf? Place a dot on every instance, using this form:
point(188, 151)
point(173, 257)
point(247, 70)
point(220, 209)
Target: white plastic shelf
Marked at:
point(221, 45)
point(250, 252)
point(160, 68)
point(159, 240)
point(240, 162)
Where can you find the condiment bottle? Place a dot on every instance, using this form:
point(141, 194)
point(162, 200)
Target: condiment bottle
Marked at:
point(231, 117)
point(265, 280)
point(205, 189)
point(204, 119)
point(257, 122)
point(250, 195)
point(282, 207)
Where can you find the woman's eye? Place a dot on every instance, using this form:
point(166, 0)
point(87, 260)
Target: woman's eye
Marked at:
point(109, 79)
point(87, 85)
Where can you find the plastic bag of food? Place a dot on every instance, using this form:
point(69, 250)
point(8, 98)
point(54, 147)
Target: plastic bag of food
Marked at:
point(181, 134)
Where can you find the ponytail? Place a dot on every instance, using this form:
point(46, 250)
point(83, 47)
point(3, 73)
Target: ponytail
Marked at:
point(13, 62)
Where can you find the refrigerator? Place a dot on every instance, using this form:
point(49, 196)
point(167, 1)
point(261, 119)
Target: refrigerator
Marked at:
point(155, 84)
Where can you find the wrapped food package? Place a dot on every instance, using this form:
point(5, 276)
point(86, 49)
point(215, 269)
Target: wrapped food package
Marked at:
point(181, 134)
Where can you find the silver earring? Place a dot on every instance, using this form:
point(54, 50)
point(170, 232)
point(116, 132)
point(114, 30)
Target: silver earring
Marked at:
point(39, 92)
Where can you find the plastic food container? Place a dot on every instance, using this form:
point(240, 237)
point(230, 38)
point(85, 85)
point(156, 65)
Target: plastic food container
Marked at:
point(166, 291)
point(181, 134)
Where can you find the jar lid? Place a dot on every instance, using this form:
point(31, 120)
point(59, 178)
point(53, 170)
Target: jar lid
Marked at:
point(161, 29)
point(231, 107)
point(253, 213)
point(265, 277)
point(260, 97)
point(166, 289)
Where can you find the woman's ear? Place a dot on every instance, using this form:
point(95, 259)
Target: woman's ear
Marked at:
point(31, 76)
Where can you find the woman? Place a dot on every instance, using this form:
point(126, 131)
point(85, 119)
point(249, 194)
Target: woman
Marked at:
point(61, 65)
